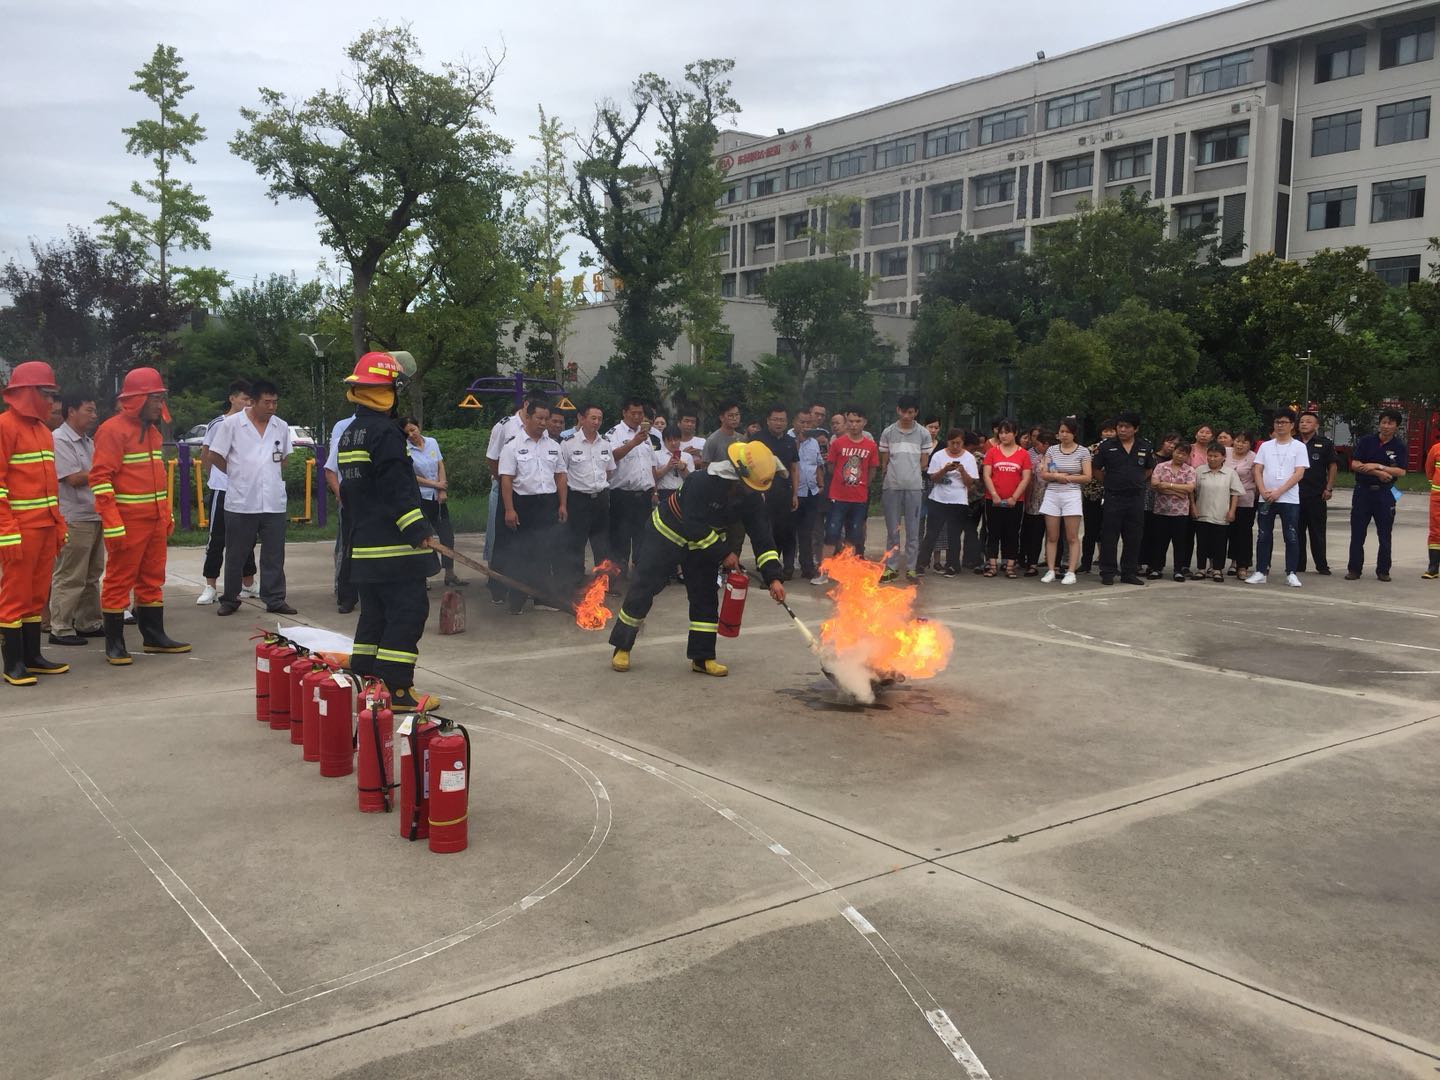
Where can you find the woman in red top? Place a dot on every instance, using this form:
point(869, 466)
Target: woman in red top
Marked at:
point(1007, 475)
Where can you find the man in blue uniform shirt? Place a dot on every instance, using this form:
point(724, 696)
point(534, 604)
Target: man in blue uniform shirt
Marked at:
point(1378, 461)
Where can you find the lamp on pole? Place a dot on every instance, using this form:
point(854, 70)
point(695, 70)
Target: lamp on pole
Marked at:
point(321, 376)
point(1306, 358)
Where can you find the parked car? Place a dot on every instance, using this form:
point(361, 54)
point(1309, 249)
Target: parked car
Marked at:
point(194, 437)
point(299, 436)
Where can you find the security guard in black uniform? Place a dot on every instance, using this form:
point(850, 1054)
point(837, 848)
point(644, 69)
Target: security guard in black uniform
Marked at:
point(387, 536)
point(687, 531)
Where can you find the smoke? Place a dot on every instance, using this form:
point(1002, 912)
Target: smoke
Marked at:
point(853, 674)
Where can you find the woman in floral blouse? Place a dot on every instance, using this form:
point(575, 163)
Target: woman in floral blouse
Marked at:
point(1173, 482)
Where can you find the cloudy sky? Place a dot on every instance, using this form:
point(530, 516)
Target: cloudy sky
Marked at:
point(67, 67)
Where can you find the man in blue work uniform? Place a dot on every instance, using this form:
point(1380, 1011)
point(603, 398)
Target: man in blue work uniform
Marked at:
point(1124, 464)
point(1378, 461)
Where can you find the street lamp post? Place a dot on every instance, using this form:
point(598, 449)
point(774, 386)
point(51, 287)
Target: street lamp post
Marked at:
point(1307, 376)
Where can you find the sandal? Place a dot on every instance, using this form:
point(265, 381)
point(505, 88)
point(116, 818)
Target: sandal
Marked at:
point(989, 570)
point(1010, 570)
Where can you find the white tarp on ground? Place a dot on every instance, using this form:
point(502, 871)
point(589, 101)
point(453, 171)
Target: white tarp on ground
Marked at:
point(315, 639)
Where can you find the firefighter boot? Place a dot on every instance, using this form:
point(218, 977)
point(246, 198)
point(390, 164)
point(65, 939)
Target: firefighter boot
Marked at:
point(115, 652)
point(709, 667)
point(13, 646)
point(152, 632)
point(621, 660)
point(408, 699)
point(35, 663)
point(1433, 570)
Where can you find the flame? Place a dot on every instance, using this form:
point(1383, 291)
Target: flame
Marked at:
point(590, 610)
point(877, 626)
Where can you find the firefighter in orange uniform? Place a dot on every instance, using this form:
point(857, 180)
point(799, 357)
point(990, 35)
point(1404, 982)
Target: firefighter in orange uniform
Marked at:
point(1432, 477)
point(31, 528)
point(127, 476)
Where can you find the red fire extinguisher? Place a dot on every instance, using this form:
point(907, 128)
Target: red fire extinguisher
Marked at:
point(335, 714)
point(280, 687)
point(449, 772)
point(415, 779)
point(265, 650)
point(299, 668)
point(310, 708)
point(732, 604)
point(375, 741)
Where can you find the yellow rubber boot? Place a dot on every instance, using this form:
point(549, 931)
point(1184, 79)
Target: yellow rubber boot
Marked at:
point(408, 699)
point(621, 660)
point(709, 667)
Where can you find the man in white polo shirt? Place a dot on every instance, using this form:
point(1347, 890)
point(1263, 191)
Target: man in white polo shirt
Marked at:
point(588, 463)
point(239, 397)
point(533, 496)
point(250, 449)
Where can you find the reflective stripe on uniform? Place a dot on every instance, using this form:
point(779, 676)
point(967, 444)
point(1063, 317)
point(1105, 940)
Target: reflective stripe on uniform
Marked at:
point(147, 497)
point(32, 457)
point(408, 518)
point(115, 530)
point(143, 455)
point(705, 627)
point(764, 557)
point(629, 620)
point(395, 656)
point(9, 539)
point(675, 538)
point(34, 504)
point(363, 650)
point(103, 489)
point(349, 457)
point(387, 551)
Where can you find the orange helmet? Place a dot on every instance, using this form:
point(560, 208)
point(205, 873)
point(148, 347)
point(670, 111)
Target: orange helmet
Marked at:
point(32, 373)
point(376, 369)
point(141, 382)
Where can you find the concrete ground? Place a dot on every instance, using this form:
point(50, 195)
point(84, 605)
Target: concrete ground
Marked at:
point(1185, 831)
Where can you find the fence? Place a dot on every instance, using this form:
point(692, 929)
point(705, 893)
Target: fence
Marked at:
point(187, 489)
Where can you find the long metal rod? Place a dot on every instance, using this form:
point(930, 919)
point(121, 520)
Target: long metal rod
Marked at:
point(497, 577)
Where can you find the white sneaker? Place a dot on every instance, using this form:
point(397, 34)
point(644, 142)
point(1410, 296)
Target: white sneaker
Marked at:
point(821, 580)
point(1293, 580)
point(1048, 578)
point(251, 591)
point(1069, 578)
point(1257, 578)
point(206, 597)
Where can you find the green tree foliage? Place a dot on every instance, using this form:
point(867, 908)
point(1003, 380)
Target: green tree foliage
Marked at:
point(963, 357)
point(1153, 354)
point(1223, 408)
point(651, 216)
point(1067, 366)
point(984, 275)
point(549, 301)
point(387, 153)
point(175, 224)
point(819, 311)
point(838, 230)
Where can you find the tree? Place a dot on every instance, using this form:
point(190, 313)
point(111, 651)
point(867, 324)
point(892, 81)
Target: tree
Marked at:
point(549, 303)
point(1223, 408)
point(984, 275)
point(179, 212)
point(379, 158)
point(838, 224)
point(819, 313)
point(1154, 353)
point(645, 217)
point(701, 384)
point(963, 357)
point(1065, 371)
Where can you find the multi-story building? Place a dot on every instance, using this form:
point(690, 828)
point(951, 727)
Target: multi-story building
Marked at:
point(1296, 125)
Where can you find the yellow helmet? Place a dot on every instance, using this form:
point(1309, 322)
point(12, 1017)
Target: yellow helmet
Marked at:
point(754, 463)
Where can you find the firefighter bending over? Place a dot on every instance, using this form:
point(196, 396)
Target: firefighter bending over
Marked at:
point(387, 536)
point(687, 530)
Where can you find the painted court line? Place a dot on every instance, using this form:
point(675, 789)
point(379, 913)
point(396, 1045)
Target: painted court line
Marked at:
point(246, 968)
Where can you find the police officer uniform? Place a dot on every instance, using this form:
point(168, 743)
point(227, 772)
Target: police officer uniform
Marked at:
point(1126, 476)
point(632, 487)
point(528, 551)
point(588, 464)
point(386, 533)
point(1374, 500)
point(1314, 510)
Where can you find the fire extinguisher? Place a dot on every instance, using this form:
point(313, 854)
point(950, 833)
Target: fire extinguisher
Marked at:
point(375, 742)
point(299, 668)
point(280, 687)
point(449, 772)
point(335, 719)
point(415, 778)
point(310, 684)
point(265, 651)
point(732, 604)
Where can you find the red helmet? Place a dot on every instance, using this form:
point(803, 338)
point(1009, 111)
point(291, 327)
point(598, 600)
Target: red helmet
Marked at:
point(34, 373)
point(142, 381)
point(376, 369)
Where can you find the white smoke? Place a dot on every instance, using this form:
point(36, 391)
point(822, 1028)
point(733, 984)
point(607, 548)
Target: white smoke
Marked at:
point(853, 675)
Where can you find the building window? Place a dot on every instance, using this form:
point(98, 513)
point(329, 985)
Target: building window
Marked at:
point(753, 278)
point(649, 214)
point(893, 263)
point(1076, 172)
point(896, 152)
point(731, 195)
point(1340, 59)
point(1129, 162)
point(995, 188)
point(1219, 73)
point(947, 198)
point(1335, 134)
point(1199, 215)
point(1010, 124)
point(1142, 92)
point(1332, 209)
point(722, 241)
point(1072, 108)
point(805, 174)
point(1407, 44)
point(947, 140)
point(852, 215)
point(764, 233)
point(727, 285)
point(764, 184)
point(1012, 243)
point(1397, 200)
point(843, 165)
point(1397, 272)
point(1404, 121)
point(885, 210)
point(1224, 144)
point(795, 226)
point(931, 257)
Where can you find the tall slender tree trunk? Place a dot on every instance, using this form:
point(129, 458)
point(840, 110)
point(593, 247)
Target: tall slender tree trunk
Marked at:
point(360, 295)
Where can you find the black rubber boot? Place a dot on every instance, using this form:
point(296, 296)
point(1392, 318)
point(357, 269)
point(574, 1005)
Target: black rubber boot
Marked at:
point(152, 632)
point(35, 662)
point(12, 649)
point(115, 652)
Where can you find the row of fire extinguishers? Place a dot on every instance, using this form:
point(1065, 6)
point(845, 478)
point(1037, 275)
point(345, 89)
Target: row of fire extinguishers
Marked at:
point(315, 700)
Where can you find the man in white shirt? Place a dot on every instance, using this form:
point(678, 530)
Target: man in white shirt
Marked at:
point(1280, 463)
point(691, 444)
point(588, 463)
point(250, 448)
point(632, 484)
point(533, 493)
point(346, 594)
point(239, 397)
point(503, 431)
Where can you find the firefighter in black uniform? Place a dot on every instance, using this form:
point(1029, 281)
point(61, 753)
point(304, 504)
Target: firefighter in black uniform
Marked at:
point(387, 536)
point(686, 531)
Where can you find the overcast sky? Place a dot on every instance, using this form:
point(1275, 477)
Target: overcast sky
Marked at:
point(67, 67)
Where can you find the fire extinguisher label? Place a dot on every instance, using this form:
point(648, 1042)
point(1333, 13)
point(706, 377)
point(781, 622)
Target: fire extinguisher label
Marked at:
point(452, 779)
point(262, 663)
point(323, 710)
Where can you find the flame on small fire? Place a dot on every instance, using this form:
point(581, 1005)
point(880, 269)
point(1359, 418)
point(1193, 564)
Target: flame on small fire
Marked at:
point(876, 626)
point(590, 610)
